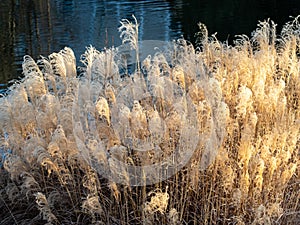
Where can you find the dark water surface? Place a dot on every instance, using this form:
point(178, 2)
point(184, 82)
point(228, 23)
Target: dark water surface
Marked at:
point(40, 27)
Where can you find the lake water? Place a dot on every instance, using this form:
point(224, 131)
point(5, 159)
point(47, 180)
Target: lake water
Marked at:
point(40, 27)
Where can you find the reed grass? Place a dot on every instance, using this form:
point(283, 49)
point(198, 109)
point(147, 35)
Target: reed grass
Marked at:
point(245, 165)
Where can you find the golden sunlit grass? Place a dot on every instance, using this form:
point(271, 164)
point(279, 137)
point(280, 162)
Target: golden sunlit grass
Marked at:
point(243, 100)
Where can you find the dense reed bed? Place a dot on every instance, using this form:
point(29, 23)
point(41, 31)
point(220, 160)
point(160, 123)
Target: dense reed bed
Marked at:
point(235, 108)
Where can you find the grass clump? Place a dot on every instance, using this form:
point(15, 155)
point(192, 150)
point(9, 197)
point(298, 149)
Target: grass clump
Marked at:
point(60, 134)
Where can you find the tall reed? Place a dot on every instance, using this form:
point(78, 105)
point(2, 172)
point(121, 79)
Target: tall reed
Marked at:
point(65, 138)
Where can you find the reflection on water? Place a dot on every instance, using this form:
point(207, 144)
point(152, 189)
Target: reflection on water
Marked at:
point(39, 27)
